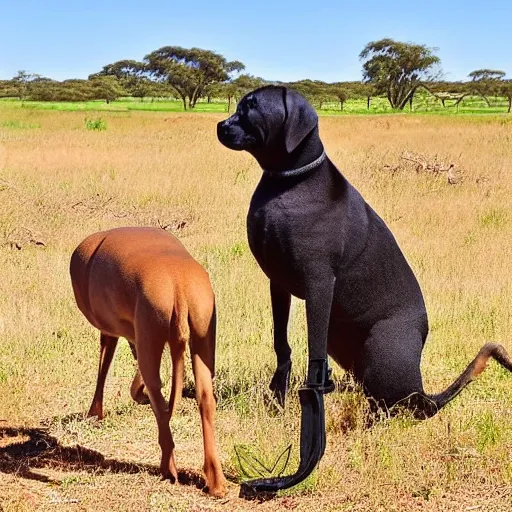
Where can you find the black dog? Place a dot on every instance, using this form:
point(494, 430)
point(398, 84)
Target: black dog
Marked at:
point(316, 238)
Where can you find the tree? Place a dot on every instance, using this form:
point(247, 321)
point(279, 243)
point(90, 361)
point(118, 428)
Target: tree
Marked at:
point(121, 69)
point(361, 90)
point(315, 91)
point(22, 82)
point(229, 91)
point(8, 89)
point(106, 88)
point(369, 91)
point(74, 90)
point(43, 90)
point(245, 84)
point(506, 90)
point(341, 94)
point(131, 75)
point(68, 90)
point(487, 82)
point(397, 69)
point(139, 87)
point(189, 71)
point(486, 75)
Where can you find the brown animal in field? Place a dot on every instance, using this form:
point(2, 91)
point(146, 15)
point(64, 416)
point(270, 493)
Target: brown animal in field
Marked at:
point(143, 285)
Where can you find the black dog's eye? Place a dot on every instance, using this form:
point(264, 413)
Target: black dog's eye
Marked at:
point(246, 105)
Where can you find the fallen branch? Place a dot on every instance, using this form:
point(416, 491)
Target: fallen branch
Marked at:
point(435, 167)
point(174, 226)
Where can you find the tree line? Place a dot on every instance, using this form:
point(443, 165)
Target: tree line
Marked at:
point(391, 69)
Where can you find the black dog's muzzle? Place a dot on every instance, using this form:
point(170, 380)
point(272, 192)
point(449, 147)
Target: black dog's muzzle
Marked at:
point(223, 128)
point(230, 134)
point(233, 134)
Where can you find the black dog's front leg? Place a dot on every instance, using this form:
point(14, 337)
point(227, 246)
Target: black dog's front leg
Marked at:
point(319, 297)
point(281, 300)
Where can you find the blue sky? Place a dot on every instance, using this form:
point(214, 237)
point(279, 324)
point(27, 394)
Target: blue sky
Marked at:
point(275, 39)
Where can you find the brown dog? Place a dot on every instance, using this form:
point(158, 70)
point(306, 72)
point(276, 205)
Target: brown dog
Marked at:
point(143, 285)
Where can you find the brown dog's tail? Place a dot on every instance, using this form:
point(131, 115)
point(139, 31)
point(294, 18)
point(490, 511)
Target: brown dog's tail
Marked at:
point(475, 368)
point(178, 370)
point(178, 344)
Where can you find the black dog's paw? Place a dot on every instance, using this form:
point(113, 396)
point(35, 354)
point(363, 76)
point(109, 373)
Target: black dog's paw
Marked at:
point(281, 382)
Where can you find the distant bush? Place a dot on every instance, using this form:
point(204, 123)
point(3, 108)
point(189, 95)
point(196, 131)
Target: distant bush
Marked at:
point(95, 124)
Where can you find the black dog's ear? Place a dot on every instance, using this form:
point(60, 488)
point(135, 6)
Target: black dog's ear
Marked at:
point(301, 118)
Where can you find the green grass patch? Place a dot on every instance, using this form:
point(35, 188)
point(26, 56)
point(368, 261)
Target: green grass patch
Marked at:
point(422, 104)
point(18, 125)
point(494, 218)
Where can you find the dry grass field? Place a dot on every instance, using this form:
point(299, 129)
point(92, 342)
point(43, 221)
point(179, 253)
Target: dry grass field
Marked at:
point(60, 181)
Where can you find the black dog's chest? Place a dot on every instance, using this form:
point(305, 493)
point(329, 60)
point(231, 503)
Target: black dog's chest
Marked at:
point(272, 247)
point(278, 238)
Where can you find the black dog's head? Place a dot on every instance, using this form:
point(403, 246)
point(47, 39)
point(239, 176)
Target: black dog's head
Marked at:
point(266, 118)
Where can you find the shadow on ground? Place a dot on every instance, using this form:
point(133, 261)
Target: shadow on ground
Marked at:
point(22, 450)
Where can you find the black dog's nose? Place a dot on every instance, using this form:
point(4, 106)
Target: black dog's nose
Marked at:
point(222, 129)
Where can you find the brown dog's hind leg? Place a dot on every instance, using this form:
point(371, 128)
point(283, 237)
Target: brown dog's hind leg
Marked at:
point(150, 346)
point(107, 349)
point(202, 350)
point(138, 389)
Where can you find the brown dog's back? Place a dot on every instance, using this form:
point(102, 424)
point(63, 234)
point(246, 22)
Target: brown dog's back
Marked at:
point(108, 267)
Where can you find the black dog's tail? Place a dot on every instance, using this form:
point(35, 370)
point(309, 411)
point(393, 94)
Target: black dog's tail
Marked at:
point(475, 368)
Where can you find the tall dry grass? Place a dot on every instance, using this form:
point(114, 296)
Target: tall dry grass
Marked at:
point(59, 182)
